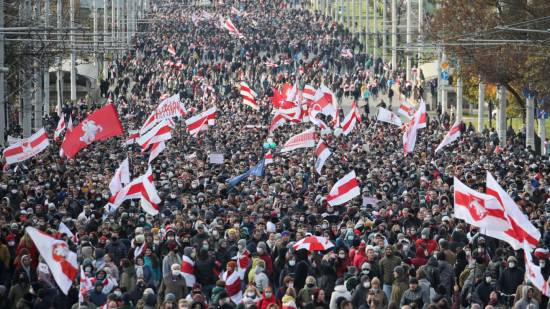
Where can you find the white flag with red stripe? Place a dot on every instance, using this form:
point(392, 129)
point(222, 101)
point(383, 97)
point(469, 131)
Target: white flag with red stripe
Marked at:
point(171, 50)
point(169, 108)
point(521, 229)
point(478, 209)
point(268, 158)
point(60, 127)
point(70, 124)
point(243, 262)
point(411, 130)
point(201, 121)
point(64, 229)
point(533, 272)
point(301, 140)
point(344, 190)
point(406, 109)
point(451, 136)
point(233, 285)
point(26, 148)
point(322, 152)
point(385, 115)
point(61, 261)
point(142, 188)
point(249, 96)
point(156, 149)
point(120, 178)
point(228, 25)
point(133, 136)
point(351, 119)
point(159, 133)
point(86, 284)
point(309, 92)
point(188, 270)
point(324, 102)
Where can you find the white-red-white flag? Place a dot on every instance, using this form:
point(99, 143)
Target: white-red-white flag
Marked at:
point(228, 25)
point(322, 152)
point(385, 115)
point(64, 229)
point(168, 108)
point(451, 136)
point(324, 102)
point(346, 53)
point(171, 50)
point(301, 140)
point(309, 92)
point(233, 285)
point(142, 188)
point(268, 158)
point(120, 178)
point(249, 96)
point(188, 270)
point(70, 123)
point(61, 261)
point(521, 229)
point(26, 148)
point(60, 127)
point(133, 136)
point(406, 109)
point(156, 149)
point(478, 209)
point(351, 119)
point(201, 121)
point(159, 133)
point(86, 284)
point(533, 272)
point(411, 131)
point(344, 190)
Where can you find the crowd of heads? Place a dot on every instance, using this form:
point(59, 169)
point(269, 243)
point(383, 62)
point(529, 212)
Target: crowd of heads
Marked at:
point(395, 246)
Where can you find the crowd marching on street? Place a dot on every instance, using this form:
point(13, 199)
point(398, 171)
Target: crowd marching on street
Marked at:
point(233, 161)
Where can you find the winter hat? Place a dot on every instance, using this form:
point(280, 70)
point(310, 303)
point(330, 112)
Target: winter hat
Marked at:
point(150, 299)
point(140, 239)
point(310, 280)
point(170, 298)
point(399, 270)
point(232, 264)
point(242, 242)
point(263, 246)
point(425, 232)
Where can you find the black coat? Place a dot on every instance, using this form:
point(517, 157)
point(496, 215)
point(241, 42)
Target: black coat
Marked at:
point(204, 271)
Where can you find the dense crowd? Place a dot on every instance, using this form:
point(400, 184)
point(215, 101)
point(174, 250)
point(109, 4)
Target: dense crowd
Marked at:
point(396, 246)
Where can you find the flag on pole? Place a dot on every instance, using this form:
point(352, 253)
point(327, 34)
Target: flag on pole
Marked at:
point(26, 148)
point(301, 140)
point(228, 25)
point(156, 149)
point(201, 121)
point(61, 261)
point(120, 178)
point(533, 272)
point(268, 158)
point(60, 127)
point(142, 188)
point(256, 170)
point(351, 119)
point(406, 109)
point(451, 136)
point(159, 133)
point(417, 122)
point(249, 96)
point(385, 115)
point(344, 190)
point(168, 108)
point(64, 229)
point(322, 152)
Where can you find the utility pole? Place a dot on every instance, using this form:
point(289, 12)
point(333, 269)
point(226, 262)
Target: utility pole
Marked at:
point(394, 34)
point(128, 23)
point(420, 26)
point(367, 35)
point(384, 30)
point(73, 53)
point(46, 66)
point(352, 11)
point(37, 79)
point(459, 102)
point(114, 27)
point(3, 119)
point(530, 122)
point(105, 37)
point(374, 31)
point(501, 115)
point(480, 105)
point(96, 40)
point(120, 5)
point(26, 78)
point(409, 41)
point(59, 61)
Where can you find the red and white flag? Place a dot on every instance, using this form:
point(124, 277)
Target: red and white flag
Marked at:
point(142, 188)
point(271, 64)
point(351, 119)
point(322, 152)
point(159, 133)
point(60, 127)
point(133, 136)
point(344, 190)
point(346, 53)
point(385, 115)
point(64, 229)
point(171, 50)
point(233, 285)
point(422, 116)
point(188, 270)
point(290, 304)
point(451, 136)
point(406, 109)
point(533, 272)
point(167, 109)
point(243, 262)
point(309, 92)
point(324, 102)
point(70, 124)
point(409, 135)
point(249, 96)
point(478, 209)
point(86, 284)
point(101, 124)
point(268, 158)
point(61, 261)
point(156, 149)
point(201, 121)
point(120, 178)
point(301, 140)
point(521, 229)
point(228, 25)
point(26, 148)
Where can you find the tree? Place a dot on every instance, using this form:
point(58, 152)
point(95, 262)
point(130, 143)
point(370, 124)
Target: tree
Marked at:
point(515, 59)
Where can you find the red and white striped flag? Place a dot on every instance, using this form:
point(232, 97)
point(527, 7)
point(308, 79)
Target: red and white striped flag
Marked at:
point(171, 50)
point(86, 284)
point(451, 136)
point(168, 108)
point(385, 115)
point(201, 121)
point(188, 271)
point(301, 140)
point(26, 148)
point(411, 131)
point(351, 119)
point(120, 178)
point(478, 209)
point(243, 262)
point(228, 25)
point(156, 149)
point(60, 127)
point(268, 158)
point(309, 92)
point(271, 64)
point(406, 109)
point(249, 96)
point(70, 124)
point(142, 188)
point(344, 190)
point(233, 285)
point(521, 230)
point(133, 136)
point(159, 133)
point(61, 261)
point(322, 152)
point(533, 272)
point(64, 229)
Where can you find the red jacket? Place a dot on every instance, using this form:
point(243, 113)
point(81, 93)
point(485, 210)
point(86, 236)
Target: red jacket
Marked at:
point(429, 244)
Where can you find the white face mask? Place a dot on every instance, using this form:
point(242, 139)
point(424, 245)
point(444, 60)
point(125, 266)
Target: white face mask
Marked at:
point(342, 256)
point(292, 262)
point(366, 284)
point(542, 263)
point(175, 273)
point(488, 279)
point(512, 264)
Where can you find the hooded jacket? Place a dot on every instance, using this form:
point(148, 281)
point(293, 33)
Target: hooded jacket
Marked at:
point(524, 302)
point(266, 301)
point(340, 291)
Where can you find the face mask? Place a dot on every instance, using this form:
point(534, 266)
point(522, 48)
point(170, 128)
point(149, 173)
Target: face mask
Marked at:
point(250, 295)
point(342, 256)
point(365, 271)
point(488, 279)
point(291, 284)
point(11, 243)
point(512, 264)
point(118, 293)
point(310, 285)
point(175, 273)
point(325, 226)
point(542, 264)
point(366, 284)
point(268, 294)
point(292, 262)
point(205, 246)
point(260, 250)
